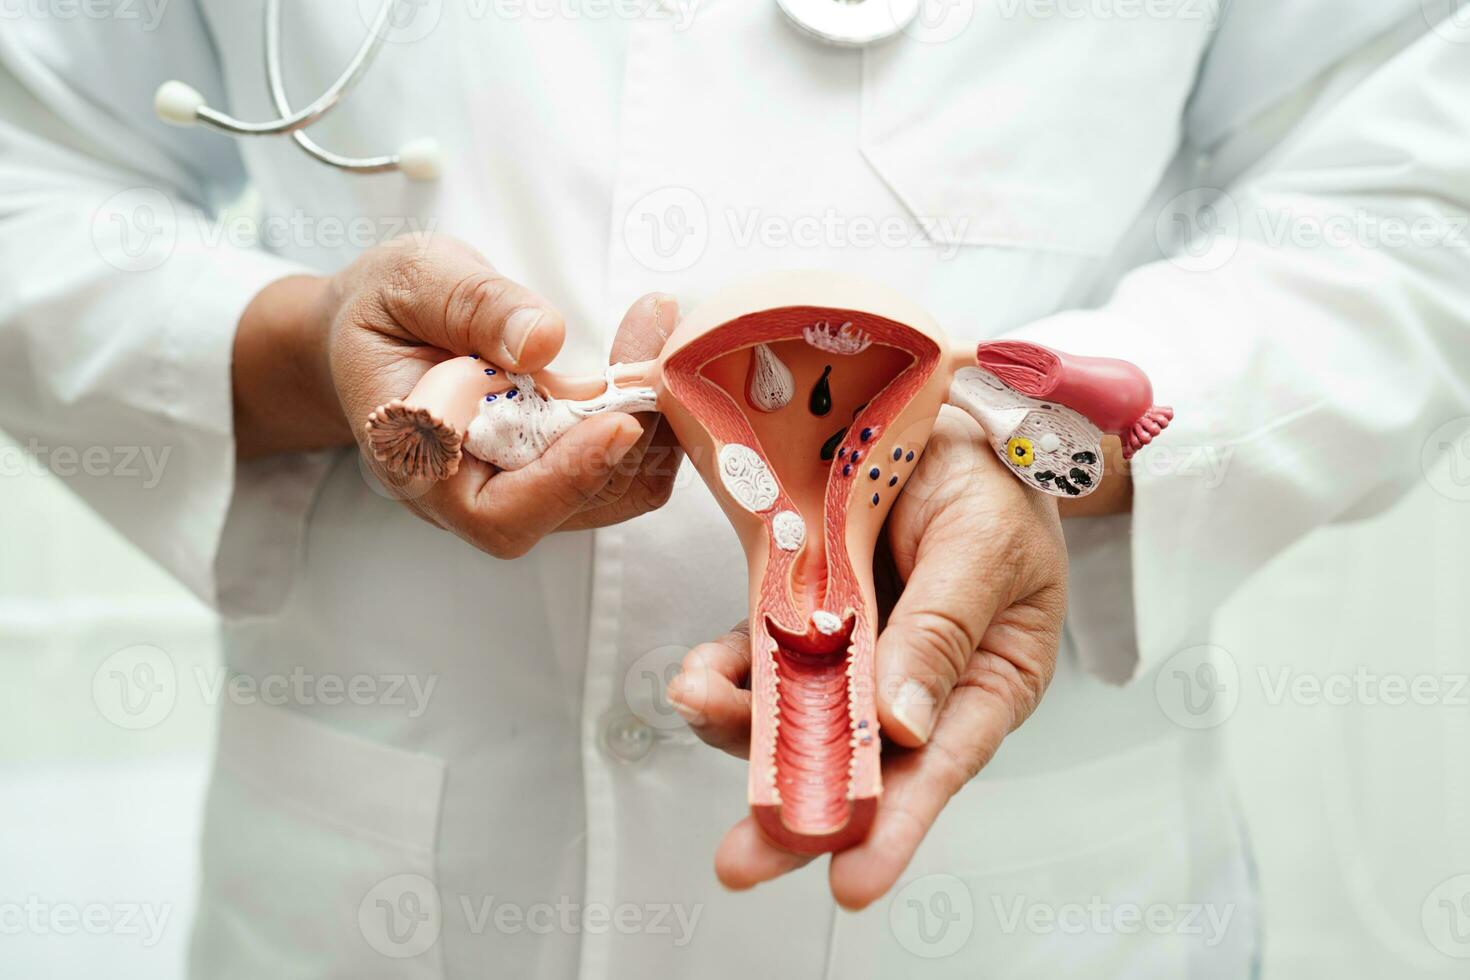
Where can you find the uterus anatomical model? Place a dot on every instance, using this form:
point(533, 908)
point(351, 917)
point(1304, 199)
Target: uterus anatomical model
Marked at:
point(805, 400)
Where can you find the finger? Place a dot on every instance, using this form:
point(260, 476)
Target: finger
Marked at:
point(447, 296)
point(916, 787)
point(951, 595)
point(650, 488)
point(708, 694)
point(640, 337)
point(627, 470)
point(745, 858)
point(512, 510)
point(645, 329)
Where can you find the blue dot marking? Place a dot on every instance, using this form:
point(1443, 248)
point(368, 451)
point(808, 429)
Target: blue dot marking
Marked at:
point(897, 455)
point(489, 398)
point(847, 469)
point(893, 481)
point(490, 372)
point(874, 473)
point(866, 435)
point(910, 457)
point(875, 500)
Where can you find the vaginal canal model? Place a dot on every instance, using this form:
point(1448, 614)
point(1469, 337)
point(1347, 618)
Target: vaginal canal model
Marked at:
point(805, 400)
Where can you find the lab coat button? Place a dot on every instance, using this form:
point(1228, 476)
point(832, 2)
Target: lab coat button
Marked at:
point(627, 739)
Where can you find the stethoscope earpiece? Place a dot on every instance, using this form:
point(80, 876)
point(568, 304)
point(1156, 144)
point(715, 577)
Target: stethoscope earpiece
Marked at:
point(180, 104)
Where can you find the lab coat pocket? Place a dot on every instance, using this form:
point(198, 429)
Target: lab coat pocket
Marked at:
point(318, 854)
point(1032, 125)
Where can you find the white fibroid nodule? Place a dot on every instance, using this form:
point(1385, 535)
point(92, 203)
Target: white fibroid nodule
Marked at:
point(771, 385)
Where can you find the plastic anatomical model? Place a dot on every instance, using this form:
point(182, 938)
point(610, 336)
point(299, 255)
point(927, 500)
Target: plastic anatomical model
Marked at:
point(805, 400)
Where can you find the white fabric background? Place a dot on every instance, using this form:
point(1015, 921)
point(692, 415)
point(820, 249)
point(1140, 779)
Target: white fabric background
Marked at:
point(1357, 811)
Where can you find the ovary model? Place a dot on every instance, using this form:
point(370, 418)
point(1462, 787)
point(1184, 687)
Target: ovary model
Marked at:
point(805, 400)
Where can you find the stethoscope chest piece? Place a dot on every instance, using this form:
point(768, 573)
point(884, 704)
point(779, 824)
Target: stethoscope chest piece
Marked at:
point(851, 23)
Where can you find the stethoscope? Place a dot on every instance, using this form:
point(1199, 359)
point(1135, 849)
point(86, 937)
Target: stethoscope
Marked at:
point(848, 23)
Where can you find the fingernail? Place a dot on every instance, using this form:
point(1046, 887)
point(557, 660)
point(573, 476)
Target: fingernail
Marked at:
point(681, 695)
point(913, 707)
point(518, 329)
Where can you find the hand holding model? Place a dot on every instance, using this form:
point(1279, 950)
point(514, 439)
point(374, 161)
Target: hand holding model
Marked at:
point(807, 401)
point(315, 352)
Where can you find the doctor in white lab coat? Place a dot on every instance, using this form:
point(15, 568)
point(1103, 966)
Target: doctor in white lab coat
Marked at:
point(1262, 205)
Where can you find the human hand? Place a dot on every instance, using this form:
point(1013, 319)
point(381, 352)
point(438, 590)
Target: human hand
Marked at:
point(315, 355)
point(969, 647)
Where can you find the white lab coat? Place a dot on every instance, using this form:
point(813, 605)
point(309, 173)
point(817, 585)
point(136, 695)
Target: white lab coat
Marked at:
point(545, 815)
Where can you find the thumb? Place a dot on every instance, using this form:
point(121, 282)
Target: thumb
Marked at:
point(936, 626)
point(645, 329)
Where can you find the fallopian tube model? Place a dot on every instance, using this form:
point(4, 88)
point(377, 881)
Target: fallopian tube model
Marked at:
point(805, 400)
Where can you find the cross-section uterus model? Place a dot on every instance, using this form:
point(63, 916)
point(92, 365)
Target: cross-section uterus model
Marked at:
point(805, 400)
